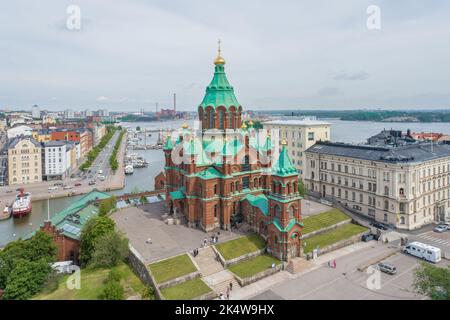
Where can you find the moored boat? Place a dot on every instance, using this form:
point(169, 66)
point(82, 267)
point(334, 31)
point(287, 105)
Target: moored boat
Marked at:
point(22, 204)
point(129, 169)
point(6, 213)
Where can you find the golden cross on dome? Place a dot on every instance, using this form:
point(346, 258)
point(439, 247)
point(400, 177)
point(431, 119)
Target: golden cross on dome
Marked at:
point(219, 50)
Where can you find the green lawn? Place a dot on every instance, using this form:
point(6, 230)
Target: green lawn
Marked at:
point(172, 268)
point(253, 266)
point(329, 237)
point(238, 247)
point(323, 220)
point(92, 282)
point(186, 291)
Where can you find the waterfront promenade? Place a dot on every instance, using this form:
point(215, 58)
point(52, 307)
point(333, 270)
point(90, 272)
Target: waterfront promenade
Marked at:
point(113, 180)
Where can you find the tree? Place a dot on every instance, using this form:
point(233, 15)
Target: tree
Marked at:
point(39, 247)
point(302, 190)
point(109, 250)
point(94, 229)
point(432, 281)
point(107, 205)
point(138, 128)
point(26, 279)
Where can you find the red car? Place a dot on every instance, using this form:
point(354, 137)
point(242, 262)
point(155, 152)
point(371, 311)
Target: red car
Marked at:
point(77, 184)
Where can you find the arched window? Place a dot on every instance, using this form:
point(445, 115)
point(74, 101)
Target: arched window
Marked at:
point(402, 220)
point(312, 175)
point(200, 190)
point(211, 119)
point(260, 183)
point(386, 205)
point(215, 189)
point(277, 210)
point(232, 187)
point(246, 165)
point(274, 187)
point(386, 190)
point(291, 212)
point(221, 119)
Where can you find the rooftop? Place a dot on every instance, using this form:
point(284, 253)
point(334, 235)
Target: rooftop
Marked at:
point(297, 122)
point(402, 154)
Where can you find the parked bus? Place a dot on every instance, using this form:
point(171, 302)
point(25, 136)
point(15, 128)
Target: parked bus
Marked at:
point(423, 251)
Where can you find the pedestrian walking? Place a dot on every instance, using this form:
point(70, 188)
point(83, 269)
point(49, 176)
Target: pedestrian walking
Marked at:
point(334, 263)
point(228, 293)
point(205, 242)
point(221, 296)
point(231, 286)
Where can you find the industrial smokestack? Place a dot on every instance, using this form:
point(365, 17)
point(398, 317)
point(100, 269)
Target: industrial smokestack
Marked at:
point(175, 102)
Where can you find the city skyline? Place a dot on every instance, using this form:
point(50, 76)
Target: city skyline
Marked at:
point(290, 56)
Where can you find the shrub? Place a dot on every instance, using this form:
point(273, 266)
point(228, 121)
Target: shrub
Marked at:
point(112, 290)
point(109, 250)
point(94, 229)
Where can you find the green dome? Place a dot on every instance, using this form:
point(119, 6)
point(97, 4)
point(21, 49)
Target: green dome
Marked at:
point(219, 92)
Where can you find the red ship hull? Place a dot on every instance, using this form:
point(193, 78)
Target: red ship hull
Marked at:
point(21, 213)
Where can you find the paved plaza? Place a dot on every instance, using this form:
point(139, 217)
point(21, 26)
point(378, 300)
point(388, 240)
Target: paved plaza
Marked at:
point(347, 283)
point(143, 223)
point(310, 208)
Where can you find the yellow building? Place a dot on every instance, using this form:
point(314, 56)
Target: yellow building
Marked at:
point(24, 161)
point(300, 135)
point(42, 135)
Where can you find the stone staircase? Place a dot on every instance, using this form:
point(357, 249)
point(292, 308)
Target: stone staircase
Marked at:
point(206, 261)
point(297, 265)
point(213, 272)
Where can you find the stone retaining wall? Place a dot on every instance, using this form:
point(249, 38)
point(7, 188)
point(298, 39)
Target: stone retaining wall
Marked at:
point(343, 243)
point(173, 282)
point(248, 280)
point(208, 296)
point(140, 268)
point(228, 263)
point(334, 226)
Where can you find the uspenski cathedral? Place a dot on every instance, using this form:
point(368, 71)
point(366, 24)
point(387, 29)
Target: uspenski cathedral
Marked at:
point(226, 172)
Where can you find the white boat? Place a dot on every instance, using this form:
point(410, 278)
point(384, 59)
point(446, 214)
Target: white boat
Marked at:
point(6, 214)
point(22, 204)
point(129, 169)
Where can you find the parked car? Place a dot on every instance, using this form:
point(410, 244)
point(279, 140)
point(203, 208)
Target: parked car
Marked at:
point(369, 236)
point(77, 184)
point(440, 228)
point(386, 268)
point(52, 188)
point(67, 187)
point(92, 182)
point(101, 178)
point(379, 225)
point(58, 184)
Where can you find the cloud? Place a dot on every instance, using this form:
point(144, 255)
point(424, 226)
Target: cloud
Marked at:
point(102, 98)
point(300, 52)
point(352, 76)
point(328, 92)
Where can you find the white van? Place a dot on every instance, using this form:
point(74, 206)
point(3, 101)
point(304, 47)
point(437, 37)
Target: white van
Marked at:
point(423, 251)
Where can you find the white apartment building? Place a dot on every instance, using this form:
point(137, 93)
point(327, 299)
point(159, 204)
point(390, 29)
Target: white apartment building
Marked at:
point(24, 161)
point(35, 112)
point(300, 135)
point(406, 187)
point(56, 160)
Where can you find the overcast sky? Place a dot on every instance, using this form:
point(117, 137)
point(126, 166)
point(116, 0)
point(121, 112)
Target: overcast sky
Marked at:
point(280, 54)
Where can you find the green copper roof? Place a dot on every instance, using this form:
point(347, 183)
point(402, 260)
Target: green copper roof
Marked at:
point(284, 166)
point(291, 223)
point(219, 92)
point(259, 201)
point(209, 173)
point(63, 220)
point(176, 195)
point(168, 145)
